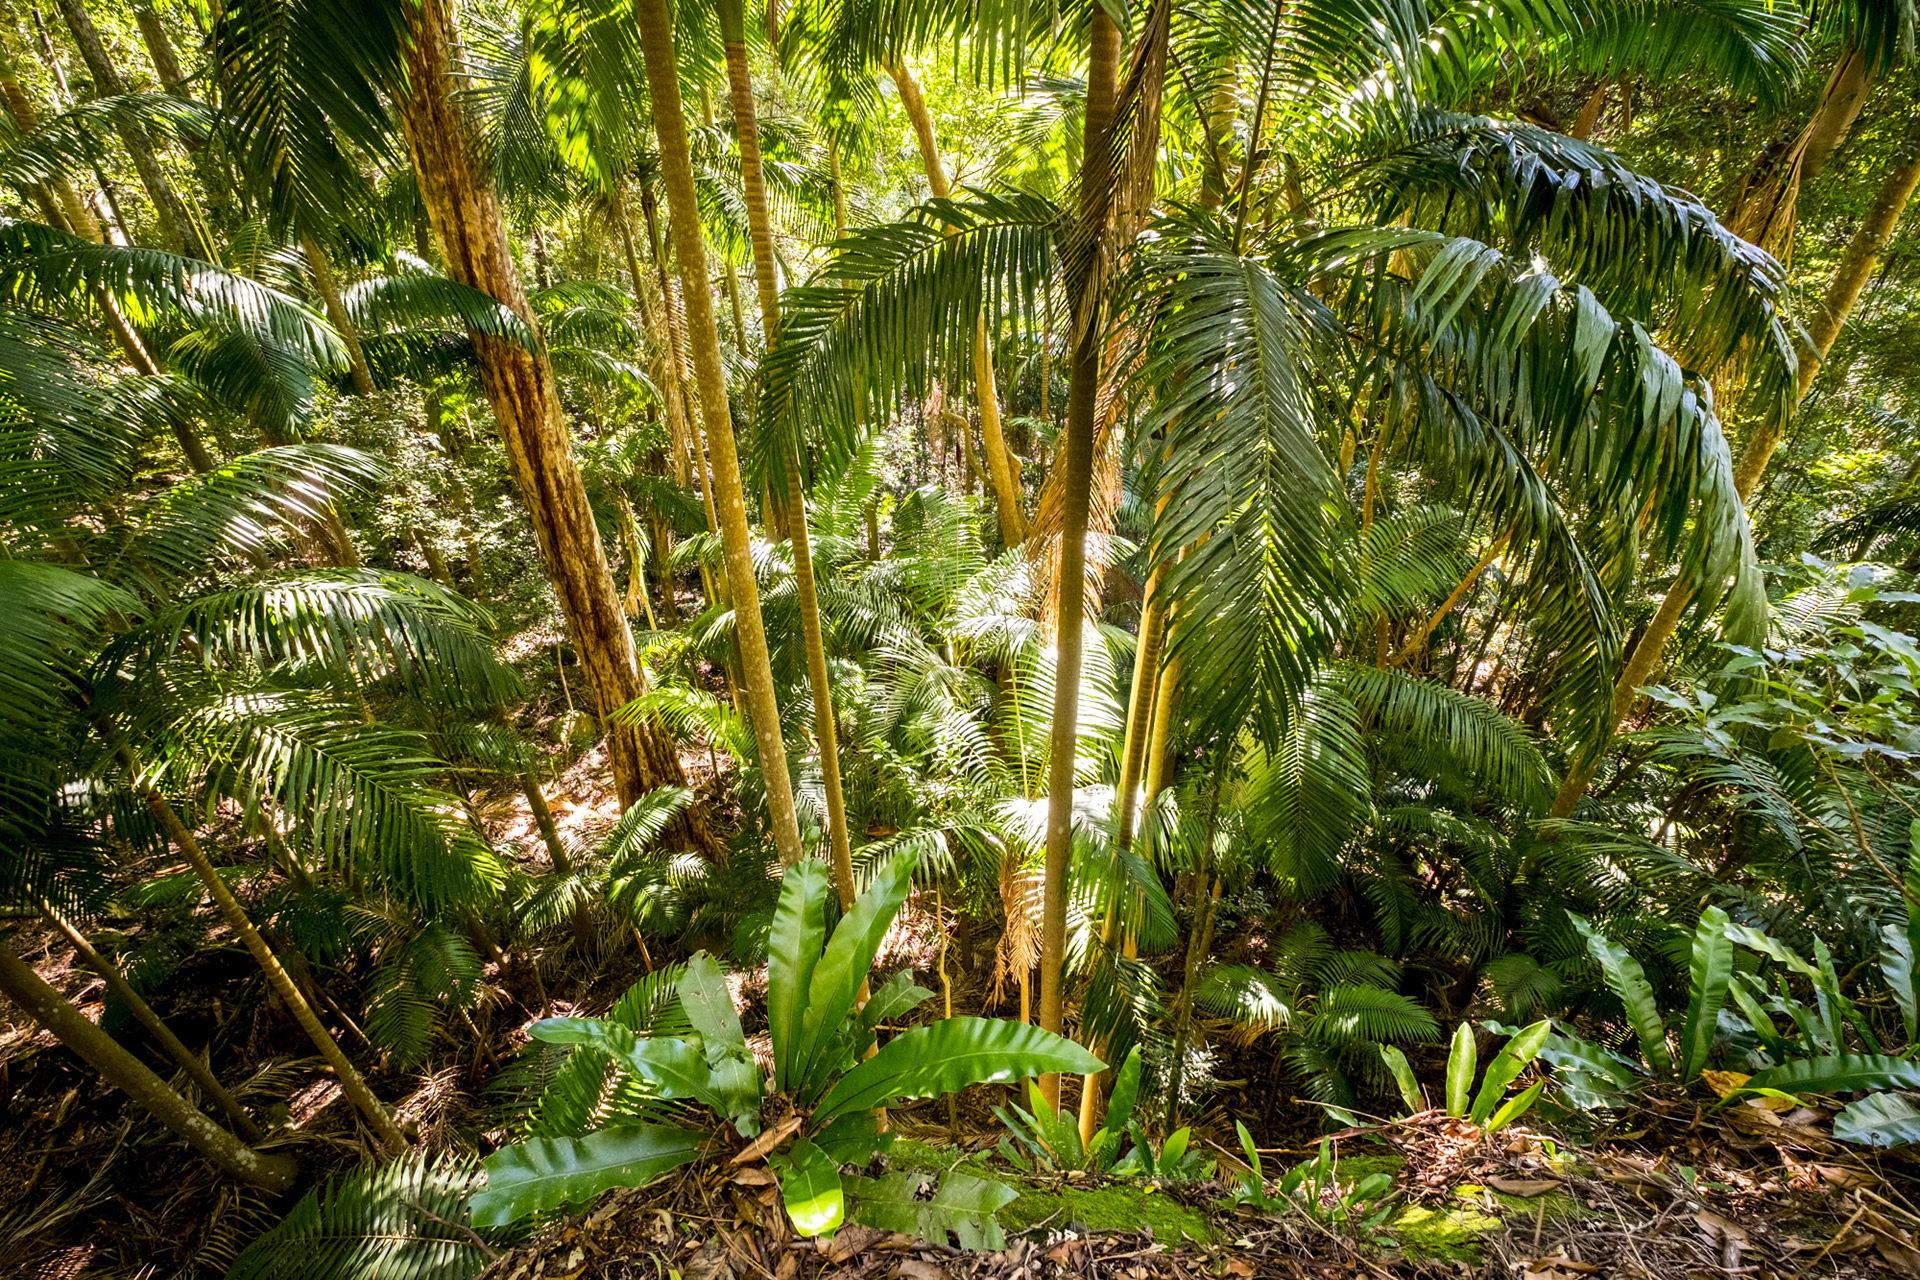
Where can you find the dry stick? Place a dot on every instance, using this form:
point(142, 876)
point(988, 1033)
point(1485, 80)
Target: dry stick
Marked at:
point(352, 1083)
point(143, 1013)
point(1419, 637)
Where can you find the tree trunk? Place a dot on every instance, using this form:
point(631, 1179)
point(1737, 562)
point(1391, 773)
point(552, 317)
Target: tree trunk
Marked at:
point(162, 1034)
point(153, 34)
point(1850, 278)
point(465, 213)
point(676, 169)
point(1001, 469)
point(676, 352)
point(272, 1173)
point(72, 212)
point(1085, 289)
point(1766, 205)
point(177, 226)
point(336, 308)
point(352, 1083)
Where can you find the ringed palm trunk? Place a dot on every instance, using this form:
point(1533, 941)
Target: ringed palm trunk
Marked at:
point(72, 214)
point(465, 212)
point(1085, 289)
point(676, 168)
point(1001, 471)
point(1766, 205)
point(760, 227)
point(1850, 278)
point(336, 308)
point(119, 1068)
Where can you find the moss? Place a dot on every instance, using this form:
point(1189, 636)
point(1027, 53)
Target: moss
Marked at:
point(904, 1153)
point(1452, 1232)
point(1119, 1207)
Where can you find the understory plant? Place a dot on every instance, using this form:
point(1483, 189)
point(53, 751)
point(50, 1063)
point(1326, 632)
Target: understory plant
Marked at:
point(1044, 1138)
point(812, 1111)
point(1488, 1107)
point(1828, 1048)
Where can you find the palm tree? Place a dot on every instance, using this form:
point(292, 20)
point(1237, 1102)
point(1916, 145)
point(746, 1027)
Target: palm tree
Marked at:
point(676, 170)
point(340, 62)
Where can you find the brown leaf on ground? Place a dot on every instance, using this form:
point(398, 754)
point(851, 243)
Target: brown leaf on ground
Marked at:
point(1524, 1187)
point(915, 1269)
point(1557, 1268)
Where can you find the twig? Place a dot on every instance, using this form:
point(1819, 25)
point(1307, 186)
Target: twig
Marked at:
point(479, 1241)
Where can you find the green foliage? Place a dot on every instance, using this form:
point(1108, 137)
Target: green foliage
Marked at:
point(405, 1219)
point(819, 1043)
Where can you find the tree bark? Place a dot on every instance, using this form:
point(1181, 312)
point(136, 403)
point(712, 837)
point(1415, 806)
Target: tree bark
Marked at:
point(188, 1061)
point(1766, 205)
point(676, 168)
point(1850, 278)
point(1001, 469)
point(153, 34)
point(272, 1173)
point(72, 212)
point(177, 226)
point(465, 213)
point(336, 308)
point(1085, 290)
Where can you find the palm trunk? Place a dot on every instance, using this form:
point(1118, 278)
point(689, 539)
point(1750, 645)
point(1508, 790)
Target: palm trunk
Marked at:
point(676, 167)
point(1085, 289)
point(1843, 292)
point(760, 227)
point(153, 34)
point(68, 211)
point(162, 1034)
point(1001, 470)
point(336, 308)
point(670, 378)
point(272, 1173)
point(352, 1083)
point(1765, 208)
point(177, 227)
point(465, 213)
point(677, 358)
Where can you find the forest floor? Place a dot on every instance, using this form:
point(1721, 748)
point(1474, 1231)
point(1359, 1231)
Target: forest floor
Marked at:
point(1687, 1196)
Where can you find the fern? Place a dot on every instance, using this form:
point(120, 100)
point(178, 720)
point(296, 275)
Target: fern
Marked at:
point(408, 1219)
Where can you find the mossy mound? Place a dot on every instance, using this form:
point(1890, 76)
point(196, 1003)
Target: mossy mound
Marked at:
point(1118, 1207)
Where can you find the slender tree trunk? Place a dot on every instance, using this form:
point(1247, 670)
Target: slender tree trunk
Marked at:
point(188, 1061)
point(272, 1173)
point(676, 354)
point(1001, 469)
point(71, 214)
point(177, 226)
point(153, 34)
point(465, 213)
point(1140, 706)
point(1850, 278)
point(1086, 287)
point(352, 1083)
point(336, 308)
point(1766, 205)
point(676, 168)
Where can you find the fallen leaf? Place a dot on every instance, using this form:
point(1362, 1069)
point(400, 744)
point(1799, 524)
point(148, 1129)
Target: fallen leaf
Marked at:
point(1844, 1177)
point(1557, 1268)
point(914, 1269)
point(1724, 1082)
point(852, 1239)
point(769, 1140)
point(1239, 1267)
point(1717, 1227)
point(759, 1176)
point(1525, 1187)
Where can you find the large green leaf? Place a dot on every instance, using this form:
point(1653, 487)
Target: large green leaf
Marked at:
point(1629, 982)
point(674, 1067)
point(949, 1055)
point(1515, 1057)
point(793, 949)
point(1460, 1068)
point(1839, 1073)
point(1711, 971)
point(962, 1204)
point(1896, 965)
point(1883, 1120)
point(1403, 1078)
point(1126, 1090)
point(842, 969)
point(810, 1188)
point(545, 1173)
point(708, 1000)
